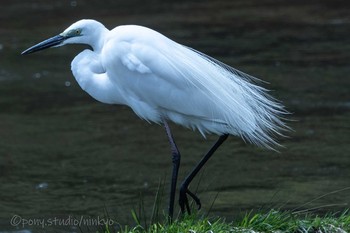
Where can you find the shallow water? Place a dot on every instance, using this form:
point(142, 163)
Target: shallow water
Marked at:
point(62, 154)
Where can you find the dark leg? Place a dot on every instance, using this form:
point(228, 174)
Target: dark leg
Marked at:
point(176, 164)
point(183, 200)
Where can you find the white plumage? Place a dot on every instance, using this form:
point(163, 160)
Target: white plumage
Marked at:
point(162, 80)
point(159, 78)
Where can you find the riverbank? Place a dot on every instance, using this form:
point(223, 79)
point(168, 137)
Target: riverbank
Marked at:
point(272, 221)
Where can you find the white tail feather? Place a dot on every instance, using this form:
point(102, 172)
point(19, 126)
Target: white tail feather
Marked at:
point(246, 109)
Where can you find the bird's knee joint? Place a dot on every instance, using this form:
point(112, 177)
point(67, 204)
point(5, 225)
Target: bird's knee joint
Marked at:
point(183, 188)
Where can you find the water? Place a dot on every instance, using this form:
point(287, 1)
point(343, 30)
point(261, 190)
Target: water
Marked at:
point(65, 156)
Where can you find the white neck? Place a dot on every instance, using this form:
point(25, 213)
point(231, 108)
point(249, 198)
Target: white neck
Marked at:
point(97, 41)
point(92, 78)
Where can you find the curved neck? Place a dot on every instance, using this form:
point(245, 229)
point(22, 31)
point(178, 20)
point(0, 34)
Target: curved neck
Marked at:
point(97, 42)
point(92, 78)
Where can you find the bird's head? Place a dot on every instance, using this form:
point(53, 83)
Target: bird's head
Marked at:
point(85, 31)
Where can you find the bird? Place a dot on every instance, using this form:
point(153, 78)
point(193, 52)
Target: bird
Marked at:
point(162, 81)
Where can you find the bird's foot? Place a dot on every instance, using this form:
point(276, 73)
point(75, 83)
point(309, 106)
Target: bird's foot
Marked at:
point(183, 199)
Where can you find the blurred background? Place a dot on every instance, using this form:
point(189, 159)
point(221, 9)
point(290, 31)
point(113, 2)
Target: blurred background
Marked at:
point(64, 154)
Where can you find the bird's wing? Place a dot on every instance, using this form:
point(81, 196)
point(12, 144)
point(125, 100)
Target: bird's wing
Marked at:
point(160, 76)
point(149, 79)
point(133, 63)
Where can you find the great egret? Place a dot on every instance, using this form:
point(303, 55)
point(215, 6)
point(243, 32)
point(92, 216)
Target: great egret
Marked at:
point(162, 80)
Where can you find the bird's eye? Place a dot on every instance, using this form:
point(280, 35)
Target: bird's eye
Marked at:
point(74, 32)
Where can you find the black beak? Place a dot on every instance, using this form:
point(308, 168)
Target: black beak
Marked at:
point(53, 41)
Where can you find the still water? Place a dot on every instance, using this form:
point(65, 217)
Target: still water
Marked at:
point(65, 156)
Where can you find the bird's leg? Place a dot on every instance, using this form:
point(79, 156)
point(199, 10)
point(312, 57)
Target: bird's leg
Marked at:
point(183, 199)
point(176, 164)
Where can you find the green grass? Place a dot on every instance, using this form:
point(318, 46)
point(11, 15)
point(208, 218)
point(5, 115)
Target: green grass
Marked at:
point(272, 221)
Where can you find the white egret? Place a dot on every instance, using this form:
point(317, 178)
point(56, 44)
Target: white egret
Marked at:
point(162, 80)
